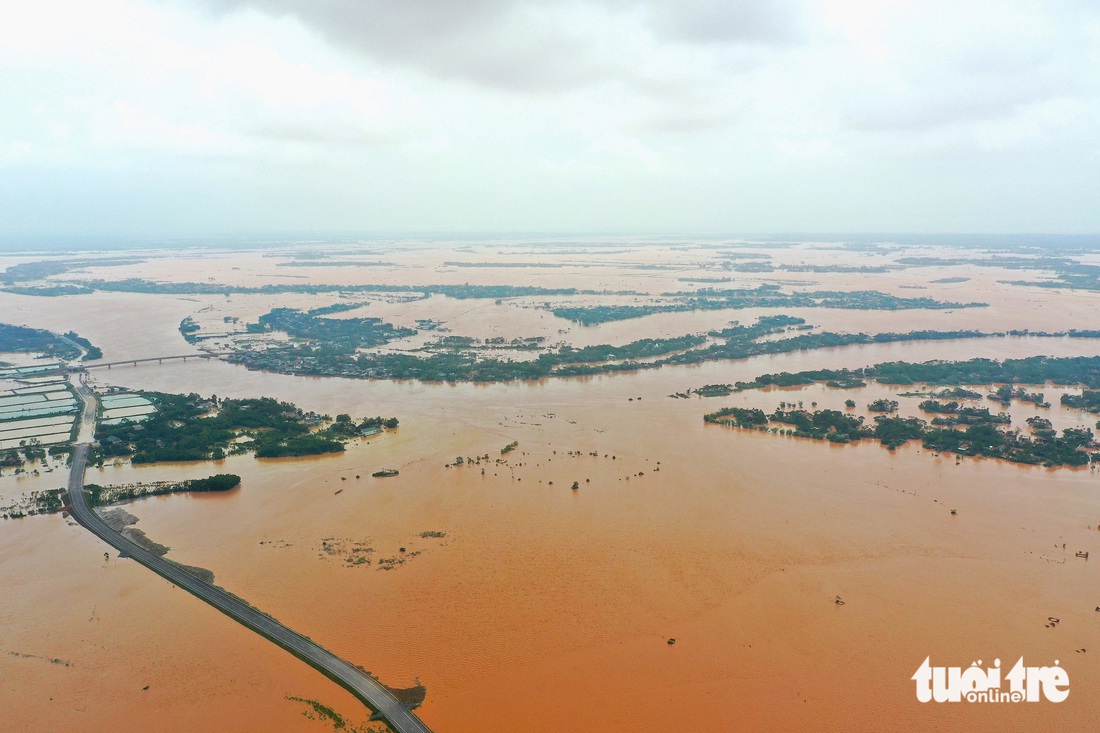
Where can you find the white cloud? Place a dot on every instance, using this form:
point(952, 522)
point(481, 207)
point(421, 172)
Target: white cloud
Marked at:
point(343, 114)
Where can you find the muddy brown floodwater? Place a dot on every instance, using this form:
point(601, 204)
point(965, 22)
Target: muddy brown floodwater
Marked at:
point(523, 605)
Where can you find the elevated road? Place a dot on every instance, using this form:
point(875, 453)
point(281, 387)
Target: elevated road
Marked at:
point(386, 708)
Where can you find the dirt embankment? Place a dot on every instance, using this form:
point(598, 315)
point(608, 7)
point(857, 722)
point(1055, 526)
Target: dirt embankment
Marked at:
point(123, 522)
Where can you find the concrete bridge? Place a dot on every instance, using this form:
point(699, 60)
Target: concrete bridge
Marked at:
point(158, 359)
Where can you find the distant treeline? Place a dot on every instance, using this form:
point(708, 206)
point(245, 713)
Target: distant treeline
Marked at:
point(137, 285)
point(1069, 370)
point(37, 340)
point(47, 268)
point(336, 263)
point(822, 269)
point(765, 296)
point(551, 265)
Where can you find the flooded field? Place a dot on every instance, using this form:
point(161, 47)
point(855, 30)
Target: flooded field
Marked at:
point(523, 604)
point(119, 407)
point(35, 412)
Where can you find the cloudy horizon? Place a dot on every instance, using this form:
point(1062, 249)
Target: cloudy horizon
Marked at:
point(158, 118)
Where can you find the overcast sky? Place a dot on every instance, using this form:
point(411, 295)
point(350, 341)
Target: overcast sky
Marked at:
point(165, 118)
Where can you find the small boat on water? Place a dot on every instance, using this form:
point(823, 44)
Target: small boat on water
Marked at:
point(385, 473)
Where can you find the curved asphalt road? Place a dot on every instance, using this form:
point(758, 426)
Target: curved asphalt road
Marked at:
point(376, 697)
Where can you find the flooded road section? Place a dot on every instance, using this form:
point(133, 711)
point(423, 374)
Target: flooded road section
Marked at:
point(525, 605)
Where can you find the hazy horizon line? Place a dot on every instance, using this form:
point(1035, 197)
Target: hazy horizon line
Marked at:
point(32, 244)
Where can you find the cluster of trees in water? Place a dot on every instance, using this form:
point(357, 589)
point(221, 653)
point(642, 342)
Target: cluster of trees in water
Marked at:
point(1080, 333)
point(30, 451)
point(567, 354)
point(188, 328)
point(1088, 400)
point(946, 415)
point(935, 406)
point(1069, 370)
point(1007, 392)
point(327, 358)
point(348, 333)
point(964, 430)
point(974, 416)
point(453, 363)
point(193, 428)
point(50, 501)
point(952, 393)
point(747, 344)
point(707, 390)
point(92, 352)
point(494, 343)
point(10, 459)
point(346, 427)
point(981, 436)
point(37, 340)
point(639, 349)
point(765, 296)
point(448, 366)
point(44, 501)
point(596, 314)
point(102, 495)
